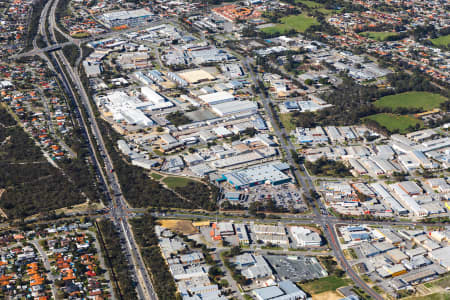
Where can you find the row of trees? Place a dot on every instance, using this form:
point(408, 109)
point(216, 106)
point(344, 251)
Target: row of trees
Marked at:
point(144, 233)
point(116, 260)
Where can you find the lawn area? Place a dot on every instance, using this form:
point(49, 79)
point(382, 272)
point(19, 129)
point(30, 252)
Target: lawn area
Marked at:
point(424, 100)
point(310, 4)
point(317, 6)
point(286, 120)
point(442, 282)
point(435, 296)
point(297, 22)
point(395, 122)
point(442, 40)
point(174, 182)
point(80, 35)
point(330, 283)
point(379, 36)
point(156, 176)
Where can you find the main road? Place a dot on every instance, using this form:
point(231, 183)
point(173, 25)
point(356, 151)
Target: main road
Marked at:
point(60, 63)
point(321, 215)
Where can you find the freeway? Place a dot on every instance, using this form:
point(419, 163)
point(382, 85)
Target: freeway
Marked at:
point(57, 60)
point(320, 212)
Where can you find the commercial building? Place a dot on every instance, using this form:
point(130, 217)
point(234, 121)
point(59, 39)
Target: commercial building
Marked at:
point(216, 98)
point(129, 18)
point(286, 290)
point(156, 101)
point(389, 199)
point(125, 108)
point(258, 269)
point(442, 256)
point(235, 107)
point(391, 270)
point(305, 237)
point(262, 174)
point(242, 234)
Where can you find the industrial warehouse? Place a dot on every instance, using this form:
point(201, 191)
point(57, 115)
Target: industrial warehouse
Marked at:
point(129, 18)
point(262, 174)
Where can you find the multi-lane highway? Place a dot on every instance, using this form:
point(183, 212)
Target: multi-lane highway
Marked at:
point(59, 63)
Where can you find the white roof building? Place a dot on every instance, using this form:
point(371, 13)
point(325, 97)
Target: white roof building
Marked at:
point(235, 107)
point(442, 256)
point(305, 237)
point(156, 100)
point(217, 98)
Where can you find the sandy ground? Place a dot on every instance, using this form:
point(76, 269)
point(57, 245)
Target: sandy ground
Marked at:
point(330, 295)
point(184, 226)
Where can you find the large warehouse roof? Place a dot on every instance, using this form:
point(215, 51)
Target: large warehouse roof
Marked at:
point(126, 14)
point(235, 107)
point(261, 173)
point(216, 98)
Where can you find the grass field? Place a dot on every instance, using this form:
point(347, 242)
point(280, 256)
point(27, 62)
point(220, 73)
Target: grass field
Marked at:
point(442, 282)
point(286, 119)
point(435, 296)
point(379, 36)
point(424, 100)
point(442, 40)
point(297, 22)
point(174, 182)
point(317, 6)
point(156, 176)
point(321, 285)
point(310, 4)
point(395, 122)
point(80, 35)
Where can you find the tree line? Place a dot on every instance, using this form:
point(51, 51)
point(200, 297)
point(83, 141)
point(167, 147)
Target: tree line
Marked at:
point(162, 280)
point(116, 260)
point(31, 184)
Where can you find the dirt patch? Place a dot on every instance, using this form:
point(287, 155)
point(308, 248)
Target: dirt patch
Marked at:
point(331, 295)
point(183, 226)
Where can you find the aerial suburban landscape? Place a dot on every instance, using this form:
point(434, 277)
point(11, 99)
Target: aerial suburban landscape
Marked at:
point(220, 149)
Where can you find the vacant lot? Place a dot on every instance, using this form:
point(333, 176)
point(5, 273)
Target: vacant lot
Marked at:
point(436, 296)
point(184, 226)
point(330, 295)
point(286, 120)
point(321, 285)
point(379, 36)
point(174, 182)
point(442, 41)
point(424, 100)
point(299, 23)
point(395, 122)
